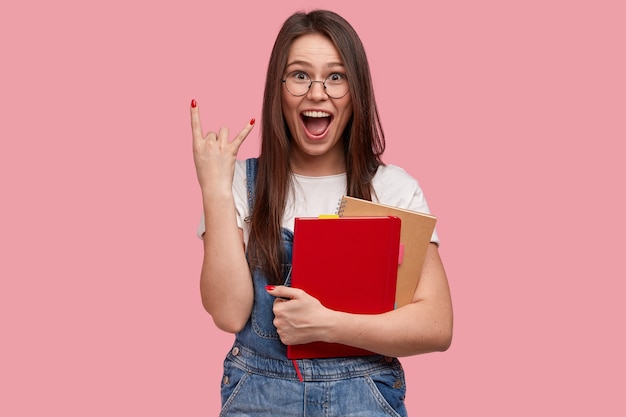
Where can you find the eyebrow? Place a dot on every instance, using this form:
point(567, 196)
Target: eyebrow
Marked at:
point(309, 65)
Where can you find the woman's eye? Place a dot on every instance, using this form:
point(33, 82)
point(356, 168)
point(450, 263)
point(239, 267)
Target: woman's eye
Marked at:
point(337, 77)
point(300, 76)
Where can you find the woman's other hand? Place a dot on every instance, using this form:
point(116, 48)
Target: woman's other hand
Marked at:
point(214, 156)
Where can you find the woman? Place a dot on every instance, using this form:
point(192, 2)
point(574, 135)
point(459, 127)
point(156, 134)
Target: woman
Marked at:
point(321, 139)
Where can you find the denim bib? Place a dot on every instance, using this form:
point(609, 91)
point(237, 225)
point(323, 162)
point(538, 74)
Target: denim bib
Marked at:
point(259, 380)
point(260, 331)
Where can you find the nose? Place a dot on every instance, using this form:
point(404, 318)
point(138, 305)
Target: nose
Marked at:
point(318, 93)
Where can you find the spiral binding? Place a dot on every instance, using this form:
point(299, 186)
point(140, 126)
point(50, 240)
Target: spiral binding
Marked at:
point(341, 206)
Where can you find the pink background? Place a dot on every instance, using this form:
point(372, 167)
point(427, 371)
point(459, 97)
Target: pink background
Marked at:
point(510, 113)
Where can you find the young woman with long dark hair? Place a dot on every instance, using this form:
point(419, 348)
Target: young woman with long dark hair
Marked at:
point(321, 139)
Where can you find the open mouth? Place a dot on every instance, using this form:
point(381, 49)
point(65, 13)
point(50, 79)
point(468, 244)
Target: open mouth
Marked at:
point(316, 123)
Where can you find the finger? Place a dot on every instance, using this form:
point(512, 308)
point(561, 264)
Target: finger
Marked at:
point(222, 135)
point(244, 132)
point(281, 291)
point(196, 126)
point(279, 301)
point(211, 136)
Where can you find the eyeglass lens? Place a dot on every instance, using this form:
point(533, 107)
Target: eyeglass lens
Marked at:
point(298, 84)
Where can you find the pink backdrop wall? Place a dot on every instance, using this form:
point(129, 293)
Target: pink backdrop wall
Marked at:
point(510, 113)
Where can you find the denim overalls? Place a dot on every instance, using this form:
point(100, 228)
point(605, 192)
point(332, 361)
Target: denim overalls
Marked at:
point(259, 380)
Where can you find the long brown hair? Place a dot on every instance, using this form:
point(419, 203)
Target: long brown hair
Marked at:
point(363, 138)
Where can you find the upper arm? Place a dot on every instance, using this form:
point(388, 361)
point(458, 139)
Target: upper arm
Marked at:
point(226, 285)
point(433, 283)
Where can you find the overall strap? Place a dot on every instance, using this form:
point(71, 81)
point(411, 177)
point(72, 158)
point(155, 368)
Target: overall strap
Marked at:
point(251, 169)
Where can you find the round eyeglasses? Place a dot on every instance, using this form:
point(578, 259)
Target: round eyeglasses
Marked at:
point(298, 84)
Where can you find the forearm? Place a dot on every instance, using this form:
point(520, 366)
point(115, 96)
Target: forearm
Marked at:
point(412, 329)
point(225, 284)
point(423, 326)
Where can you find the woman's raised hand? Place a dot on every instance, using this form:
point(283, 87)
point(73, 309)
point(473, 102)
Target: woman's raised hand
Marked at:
point(213, 155)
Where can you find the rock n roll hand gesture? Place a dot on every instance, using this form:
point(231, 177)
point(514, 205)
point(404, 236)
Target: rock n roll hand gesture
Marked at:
point(214, 156)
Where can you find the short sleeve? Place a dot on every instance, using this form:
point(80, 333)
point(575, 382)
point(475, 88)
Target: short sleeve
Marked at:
point(393, 186)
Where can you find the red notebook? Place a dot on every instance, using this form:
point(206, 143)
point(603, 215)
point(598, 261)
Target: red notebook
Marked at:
point(349, 264)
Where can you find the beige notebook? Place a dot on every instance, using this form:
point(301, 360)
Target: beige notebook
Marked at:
point(415, 233)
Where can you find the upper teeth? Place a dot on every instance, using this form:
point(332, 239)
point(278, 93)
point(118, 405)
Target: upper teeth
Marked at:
point(316, 114)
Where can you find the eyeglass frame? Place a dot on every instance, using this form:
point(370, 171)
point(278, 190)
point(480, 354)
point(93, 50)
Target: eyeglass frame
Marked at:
point(284, 81)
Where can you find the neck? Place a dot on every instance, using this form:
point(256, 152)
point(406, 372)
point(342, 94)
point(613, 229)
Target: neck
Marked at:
point(317, 166)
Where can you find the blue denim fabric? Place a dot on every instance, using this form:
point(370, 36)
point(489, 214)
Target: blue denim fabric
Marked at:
point(259, 380)
point(255, 385)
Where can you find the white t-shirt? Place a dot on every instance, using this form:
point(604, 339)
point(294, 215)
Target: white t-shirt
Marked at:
point(313, 196)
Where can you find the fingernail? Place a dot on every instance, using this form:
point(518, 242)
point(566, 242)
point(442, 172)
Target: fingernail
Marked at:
point(269, 287)
point(252, 121)
point(193, 103)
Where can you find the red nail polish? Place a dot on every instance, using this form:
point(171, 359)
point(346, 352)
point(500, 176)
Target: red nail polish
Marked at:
point(193, 103)
point(269, 287)
point(252, 121)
